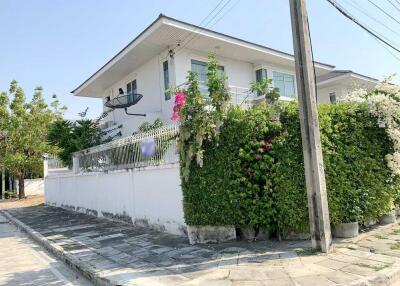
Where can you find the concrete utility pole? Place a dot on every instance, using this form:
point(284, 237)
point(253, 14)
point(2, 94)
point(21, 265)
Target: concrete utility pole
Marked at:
point(313, 163)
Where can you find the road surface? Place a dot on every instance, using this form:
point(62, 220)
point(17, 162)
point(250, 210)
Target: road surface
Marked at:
point(23, 262)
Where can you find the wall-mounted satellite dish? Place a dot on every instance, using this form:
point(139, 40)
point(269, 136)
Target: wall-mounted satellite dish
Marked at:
point(124, 101)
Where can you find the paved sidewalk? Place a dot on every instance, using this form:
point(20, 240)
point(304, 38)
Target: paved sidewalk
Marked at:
point(23, 262)
point(118, 254)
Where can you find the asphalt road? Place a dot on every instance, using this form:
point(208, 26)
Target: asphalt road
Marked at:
point(23, 262)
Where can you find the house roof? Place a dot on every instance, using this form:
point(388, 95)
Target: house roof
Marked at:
point(170, 30)
point(339, 74)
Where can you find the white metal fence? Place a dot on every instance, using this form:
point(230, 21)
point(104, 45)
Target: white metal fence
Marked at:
point(151, 148)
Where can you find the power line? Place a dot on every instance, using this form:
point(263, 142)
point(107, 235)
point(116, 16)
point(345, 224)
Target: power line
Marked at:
point(349, 16)
point(386, 48)
point(181, 44)
point(383, 11)
point(205, 18)
point(371, 29)
point(223, 15)
point(351, 3)
point(203, 28)
point(391, 3)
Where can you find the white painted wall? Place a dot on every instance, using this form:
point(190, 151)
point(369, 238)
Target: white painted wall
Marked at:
point(149, 83)
point(34, 187)
point(151, 195)
point(323, 93)
point(239, 73)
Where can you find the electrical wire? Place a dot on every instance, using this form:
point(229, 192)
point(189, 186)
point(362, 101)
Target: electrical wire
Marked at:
point(383, 11)
point(351, 3)
point(203, 28)
point(349, 16)
point(223, 15)
point(179, 45)
point(386, 48)
point(202, 21)
point(391, 3)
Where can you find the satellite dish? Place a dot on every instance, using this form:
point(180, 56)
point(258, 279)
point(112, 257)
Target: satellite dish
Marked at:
point(125, 101)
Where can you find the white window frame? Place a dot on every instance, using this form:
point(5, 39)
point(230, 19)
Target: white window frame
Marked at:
point(270, 75)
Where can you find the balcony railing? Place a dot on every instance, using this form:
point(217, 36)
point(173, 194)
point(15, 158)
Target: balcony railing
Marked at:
point(243, 96)
point(152, 148)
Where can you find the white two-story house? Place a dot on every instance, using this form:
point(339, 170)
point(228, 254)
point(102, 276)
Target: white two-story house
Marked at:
point(162, 54)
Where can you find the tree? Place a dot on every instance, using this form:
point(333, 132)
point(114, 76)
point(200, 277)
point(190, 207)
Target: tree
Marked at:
point(23, 131)
point(70, 137)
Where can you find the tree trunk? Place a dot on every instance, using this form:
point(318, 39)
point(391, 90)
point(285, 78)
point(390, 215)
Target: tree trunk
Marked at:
point(21, 185)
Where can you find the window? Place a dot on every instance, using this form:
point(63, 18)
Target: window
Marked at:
point(201, 69)
point(261, 74)
point(166, 80)
point(131, 90)
point(332, 97)
point(285, 83)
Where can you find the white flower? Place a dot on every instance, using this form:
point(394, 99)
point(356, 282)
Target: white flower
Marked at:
point(384, 104)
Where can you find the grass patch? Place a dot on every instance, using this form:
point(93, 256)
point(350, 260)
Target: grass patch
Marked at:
point(395, 246)
point(396, 231)
point(378, 236)
point(374, 267)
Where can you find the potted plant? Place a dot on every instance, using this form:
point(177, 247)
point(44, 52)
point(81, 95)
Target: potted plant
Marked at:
point(349, 214)
point(250, 232)
point(388, 218)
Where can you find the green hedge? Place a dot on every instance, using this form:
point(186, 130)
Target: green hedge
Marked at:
point(254, 174)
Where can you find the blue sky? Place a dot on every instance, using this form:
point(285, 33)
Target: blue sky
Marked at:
point(59, 43)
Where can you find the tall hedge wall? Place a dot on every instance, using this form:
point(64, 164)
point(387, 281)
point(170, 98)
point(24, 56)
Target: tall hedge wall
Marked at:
point(253, 173)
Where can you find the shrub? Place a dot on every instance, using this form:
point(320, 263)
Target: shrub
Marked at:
point(232, 187)
point(254, 173)
point(357, 178)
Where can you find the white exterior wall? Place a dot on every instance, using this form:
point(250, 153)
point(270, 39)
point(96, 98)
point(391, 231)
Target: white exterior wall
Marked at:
point(148, 197)
point(34, 187)
point(239, 73)
point(150, 83)
point(149, 79)
point(339, 90)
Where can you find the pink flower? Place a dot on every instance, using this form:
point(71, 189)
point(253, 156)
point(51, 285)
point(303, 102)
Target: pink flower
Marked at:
point(258, 157)
point(267, 147)
point(178, 104)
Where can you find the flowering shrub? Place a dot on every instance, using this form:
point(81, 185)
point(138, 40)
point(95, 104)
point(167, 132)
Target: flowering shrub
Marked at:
point(201, 117)
point(254, 173)
point(178, 104)
point(234, 185)
point(384, 103)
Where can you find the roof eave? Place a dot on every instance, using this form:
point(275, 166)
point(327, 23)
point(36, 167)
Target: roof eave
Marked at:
point(128, 47)
point(166, 19)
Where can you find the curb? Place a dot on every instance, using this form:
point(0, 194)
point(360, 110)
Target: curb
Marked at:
point(58, 251)
point(383, 277)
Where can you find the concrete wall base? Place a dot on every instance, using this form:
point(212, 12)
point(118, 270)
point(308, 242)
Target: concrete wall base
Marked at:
point(210, 234)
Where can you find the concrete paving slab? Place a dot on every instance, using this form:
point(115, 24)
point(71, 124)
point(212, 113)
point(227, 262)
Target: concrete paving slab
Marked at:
point(119, 254)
